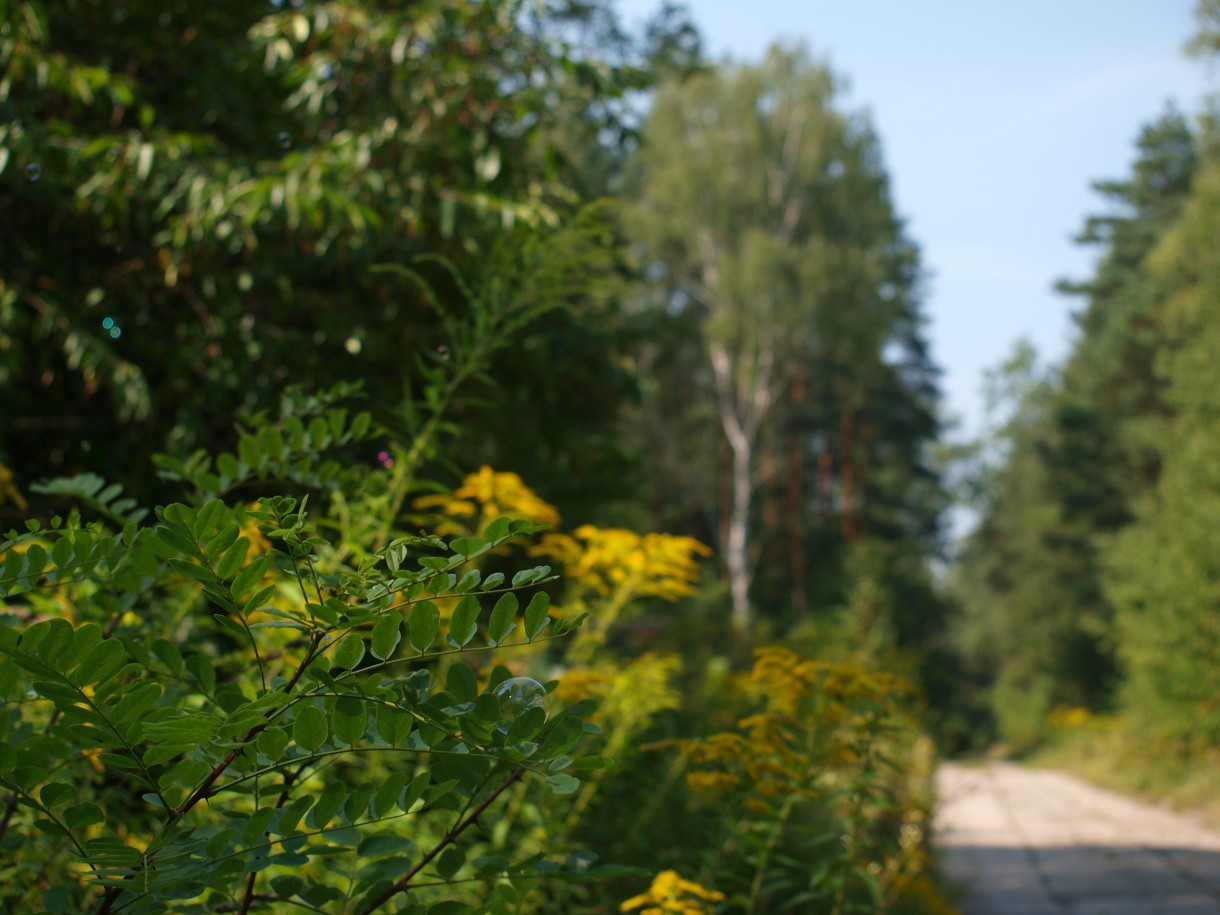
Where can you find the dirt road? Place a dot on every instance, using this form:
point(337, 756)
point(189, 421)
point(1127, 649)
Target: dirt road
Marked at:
point(1028, 842)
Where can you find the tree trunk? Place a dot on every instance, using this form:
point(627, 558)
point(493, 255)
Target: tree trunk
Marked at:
point(744, 405)
point(735, 548)
point(847, 476)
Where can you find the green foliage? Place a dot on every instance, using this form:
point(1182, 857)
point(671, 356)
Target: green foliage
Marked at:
point(213, 711)
point(284, 689)
point(1080, 450)
point(197, 200)
point(804, 780)
point(790, 294)
point(1162, 570)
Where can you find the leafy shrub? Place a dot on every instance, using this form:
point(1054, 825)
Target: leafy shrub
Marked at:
point(236, 708)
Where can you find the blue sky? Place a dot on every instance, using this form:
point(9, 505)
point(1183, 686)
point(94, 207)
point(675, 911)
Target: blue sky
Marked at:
point(994, 119)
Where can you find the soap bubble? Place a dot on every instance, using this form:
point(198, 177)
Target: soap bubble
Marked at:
point(518, 695)
point(33, 171)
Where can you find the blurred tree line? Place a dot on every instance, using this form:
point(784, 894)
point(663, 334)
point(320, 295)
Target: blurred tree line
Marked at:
point(724, 335)
point(1091, 580)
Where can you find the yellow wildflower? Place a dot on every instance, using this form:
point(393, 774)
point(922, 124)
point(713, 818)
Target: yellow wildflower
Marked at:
point(670, 894)
point(93, 754)
point(583, 683)
point(484, 496)
point(610, 560)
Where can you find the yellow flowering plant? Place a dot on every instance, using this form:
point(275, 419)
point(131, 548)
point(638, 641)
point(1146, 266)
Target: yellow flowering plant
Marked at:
point(810, 765)
point(612, 568)
point(484, 496)
point(670, 894)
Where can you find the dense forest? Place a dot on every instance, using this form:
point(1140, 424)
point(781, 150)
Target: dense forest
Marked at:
point(1088, 588)
point(447, 446)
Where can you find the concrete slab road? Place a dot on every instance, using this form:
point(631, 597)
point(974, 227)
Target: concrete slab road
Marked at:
point(1035, 842)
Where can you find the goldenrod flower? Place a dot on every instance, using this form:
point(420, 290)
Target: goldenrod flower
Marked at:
point(670, 894)
point(484, 496)
point(614, 560)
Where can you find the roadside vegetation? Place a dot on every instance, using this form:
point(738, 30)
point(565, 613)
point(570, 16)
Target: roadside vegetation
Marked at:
point(445, 451)
point(1088, 589)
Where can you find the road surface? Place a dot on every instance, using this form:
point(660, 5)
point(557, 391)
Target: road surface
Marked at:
point(1034, 842)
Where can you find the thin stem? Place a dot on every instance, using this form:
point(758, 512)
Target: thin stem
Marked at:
point(248, 897)
point(448, 839)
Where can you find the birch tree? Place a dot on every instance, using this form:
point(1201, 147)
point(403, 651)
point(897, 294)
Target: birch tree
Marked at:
point(730, 164)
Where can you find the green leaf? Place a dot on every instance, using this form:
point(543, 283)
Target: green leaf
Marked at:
point(503, 618)
point(360, 424)
point(465, 621)
point(227, 464)
point(592, 762)
point(223, 540)
point(496, 529)
point(233, 558)
point(309, 728)
point(258, 599)
point(272, 442)
point(250, 575)
point(527, 724)
point(333, 797)
point(350, 652)
point(206, 517)
point(250, 453)
point(187, 774)
point(387, 632)
point(450, 861)
point(394, 725)
point(61, 552)
point(272, 743)
point(493, 581)
point(81, 815)
point(136, 701)
point(423, 625)
point(102, 663)
point(176, 541)
point(187, 727)
point(287, 886)
point(565, 735)
point(468, 546)
point(256, 826)
point(468, 581)
point(461, 682)
point(387, 792)
point(536, 615)
point(203, 671)
point(53, 794)
point(350, 720)
point(169, 654)
point(291, 815)
point(561, 783)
